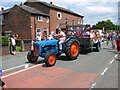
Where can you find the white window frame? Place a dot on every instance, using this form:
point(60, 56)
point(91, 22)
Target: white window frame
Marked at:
point(38, 32)
point(8, 33)
point(79, 21)
point(47, 19)
point(1, 19)
point(72, 22)
point(39, 18)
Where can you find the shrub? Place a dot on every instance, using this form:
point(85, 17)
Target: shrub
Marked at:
point(4, 41)
point(18, 48)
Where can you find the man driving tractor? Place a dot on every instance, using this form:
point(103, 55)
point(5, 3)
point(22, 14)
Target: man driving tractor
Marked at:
point(61, 36)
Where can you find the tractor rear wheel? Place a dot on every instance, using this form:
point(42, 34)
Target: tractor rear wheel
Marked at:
point(31, 58)
point(72, 49)
point(50, 59)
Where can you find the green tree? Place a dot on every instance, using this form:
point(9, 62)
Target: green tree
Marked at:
point(108, 25)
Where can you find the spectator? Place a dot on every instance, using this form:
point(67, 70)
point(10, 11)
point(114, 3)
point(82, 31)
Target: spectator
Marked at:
point(44, 37)
point(113, 38)
point(13, 44)
point(38, 38)
point(16, 36)
point(92, 34)
point(50, 37)
point(118, 36)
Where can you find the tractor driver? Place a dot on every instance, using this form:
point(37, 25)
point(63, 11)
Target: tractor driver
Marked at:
point(61, 36)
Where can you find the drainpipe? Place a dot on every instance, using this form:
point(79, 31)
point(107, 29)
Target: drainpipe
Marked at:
point(2, 16)
point(49, 26)
point(35, 26)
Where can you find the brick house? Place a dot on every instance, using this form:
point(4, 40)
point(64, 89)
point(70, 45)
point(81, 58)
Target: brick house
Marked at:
point(58, 15)
point(25, 21)
point(37, 17)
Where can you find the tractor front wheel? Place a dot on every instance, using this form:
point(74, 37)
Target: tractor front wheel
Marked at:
point(31, 58)
point(50, 59)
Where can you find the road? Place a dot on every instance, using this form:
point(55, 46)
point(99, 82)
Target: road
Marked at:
point(90, 70)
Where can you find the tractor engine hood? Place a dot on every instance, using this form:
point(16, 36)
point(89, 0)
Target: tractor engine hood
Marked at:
point(46, 43)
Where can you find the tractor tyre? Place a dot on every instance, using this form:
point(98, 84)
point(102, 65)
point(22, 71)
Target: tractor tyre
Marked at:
point(31, 58)
point(50, 59)
point(72, 49)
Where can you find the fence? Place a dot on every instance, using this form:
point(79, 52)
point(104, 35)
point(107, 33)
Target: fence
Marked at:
point(24, 44)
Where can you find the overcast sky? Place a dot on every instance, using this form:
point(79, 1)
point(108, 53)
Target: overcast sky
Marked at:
point(92, 10)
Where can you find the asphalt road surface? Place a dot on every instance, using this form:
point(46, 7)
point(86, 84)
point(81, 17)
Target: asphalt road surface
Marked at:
point(90, 70)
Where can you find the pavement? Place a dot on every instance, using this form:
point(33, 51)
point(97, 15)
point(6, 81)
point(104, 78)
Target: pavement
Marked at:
point(10, 56)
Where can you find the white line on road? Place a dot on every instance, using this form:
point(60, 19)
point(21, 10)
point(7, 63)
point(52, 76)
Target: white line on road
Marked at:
point(26, 65)
point(112, 61)
point(93, 85)
point(13, 68)
point(20, 71)
point(116, 55)
point(104, 71)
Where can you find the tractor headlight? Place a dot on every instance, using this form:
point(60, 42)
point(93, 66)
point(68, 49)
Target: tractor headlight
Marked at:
point(43, 45)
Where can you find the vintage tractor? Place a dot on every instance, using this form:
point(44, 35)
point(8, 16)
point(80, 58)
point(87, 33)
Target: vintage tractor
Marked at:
point(50, 50)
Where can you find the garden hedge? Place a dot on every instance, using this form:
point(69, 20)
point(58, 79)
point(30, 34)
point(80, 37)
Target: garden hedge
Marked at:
point(4, 41)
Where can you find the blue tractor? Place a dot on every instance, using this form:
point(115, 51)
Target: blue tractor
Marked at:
point(50, 50)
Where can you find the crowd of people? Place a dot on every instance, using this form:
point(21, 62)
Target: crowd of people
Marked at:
point(113, 36)
point(96, 36)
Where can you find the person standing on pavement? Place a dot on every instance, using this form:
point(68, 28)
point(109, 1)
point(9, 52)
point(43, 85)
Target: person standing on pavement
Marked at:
point(113, 39)
point(118, 36)
point(13, 44)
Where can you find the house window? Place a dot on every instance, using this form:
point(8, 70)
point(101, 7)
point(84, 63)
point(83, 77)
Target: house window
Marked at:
point(38, 31)
point(59, 15)
point(66, 21)
point(79, 21)
point(8, 33)
point(1, 19)
point(73, 22)
point(39, 18)
point(47, 19)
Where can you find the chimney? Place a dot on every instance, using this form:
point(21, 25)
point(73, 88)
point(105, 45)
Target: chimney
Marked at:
point(2, 8)
point(51, 2)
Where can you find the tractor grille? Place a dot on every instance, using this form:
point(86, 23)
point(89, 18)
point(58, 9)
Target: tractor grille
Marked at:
point(36, 48)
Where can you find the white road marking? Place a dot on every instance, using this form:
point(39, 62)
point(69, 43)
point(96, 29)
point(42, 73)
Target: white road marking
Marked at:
point(116, 55)
point(112, 61)
point(104, 71)
point(26, 65)
point(93, 85)
point(20, 71)
point(13, 68)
